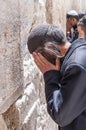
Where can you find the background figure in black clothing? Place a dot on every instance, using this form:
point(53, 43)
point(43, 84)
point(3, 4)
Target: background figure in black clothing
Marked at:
point(82, 27)
point(72, 20)
point(81, 14)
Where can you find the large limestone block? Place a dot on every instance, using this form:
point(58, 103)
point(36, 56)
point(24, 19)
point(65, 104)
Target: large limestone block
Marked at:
point(56, 12)
point(11, 79)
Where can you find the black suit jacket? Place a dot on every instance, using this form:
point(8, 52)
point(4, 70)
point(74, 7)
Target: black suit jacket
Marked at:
point(65, 90)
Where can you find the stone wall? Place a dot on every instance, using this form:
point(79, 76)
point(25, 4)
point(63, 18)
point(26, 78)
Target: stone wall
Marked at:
point(22, 99)
point(78, 5)
point(10, 54)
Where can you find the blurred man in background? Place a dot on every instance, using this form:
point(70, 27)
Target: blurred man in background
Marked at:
point(71, 25)
point(82, 27)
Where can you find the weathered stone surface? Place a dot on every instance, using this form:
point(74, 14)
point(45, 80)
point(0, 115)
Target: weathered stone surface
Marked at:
point(2, 123)
point(30, 121)
point(12, 118)
point(25, 103)
point(11, 79)
point(55, 10)
point(17, 117)
point(78, 5)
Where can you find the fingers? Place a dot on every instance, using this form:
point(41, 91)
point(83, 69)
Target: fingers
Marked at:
point(41, 58)
point(39, 62)
point(43, 64)
point(38, 59)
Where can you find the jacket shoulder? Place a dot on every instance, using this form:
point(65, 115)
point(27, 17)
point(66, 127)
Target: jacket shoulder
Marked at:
point(77, 58)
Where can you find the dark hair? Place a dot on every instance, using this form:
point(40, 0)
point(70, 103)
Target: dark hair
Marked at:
point(81, 14)
point(82, 23)
point(45, 33)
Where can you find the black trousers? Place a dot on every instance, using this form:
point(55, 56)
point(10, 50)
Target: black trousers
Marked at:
point(78, 124)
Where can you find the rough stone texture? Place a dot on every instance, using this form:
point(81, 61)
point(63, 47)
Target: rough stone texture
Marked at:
point(78, 5)
point(10, 54)
point(2, 123)
point(17, 19)
point(18, 115)
point(55, 10)
point(12, 118)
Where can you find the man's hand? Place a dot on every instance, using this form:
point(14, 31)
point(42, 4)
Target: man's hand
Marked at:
point(43, 64)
